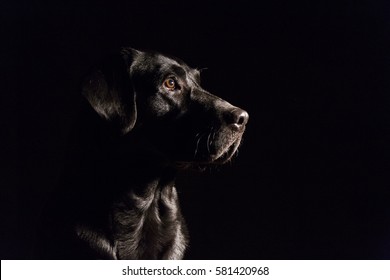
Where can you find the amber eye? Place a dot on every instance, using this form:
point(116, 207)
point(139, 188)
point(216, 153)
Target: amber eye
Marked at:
point(170, 84)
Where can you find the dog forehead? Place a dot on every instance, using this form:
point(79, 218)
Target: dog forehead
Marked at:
point(165, 60)
point(180, 68)
point(173, 64)
point(150, 61)
point(153, 62)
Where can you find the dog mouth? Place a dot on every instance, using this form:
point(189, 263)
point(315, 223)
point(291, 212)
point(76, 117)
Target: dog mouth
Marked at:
point(217, 146)
point(226, 155)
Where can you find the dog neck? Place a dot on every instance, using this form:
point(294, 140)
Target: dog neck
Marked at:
point(143, 219)
point(148, 224)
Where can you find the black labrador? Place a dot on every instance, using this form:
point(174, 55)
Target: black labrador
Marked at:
point(145, 118)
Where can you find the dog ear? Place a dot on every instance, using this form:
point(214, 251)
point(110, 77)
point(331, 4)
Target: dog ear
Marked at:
point(109, 90)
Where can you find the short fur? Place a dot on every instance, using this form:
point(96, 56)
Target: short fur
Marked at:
point(146, 118)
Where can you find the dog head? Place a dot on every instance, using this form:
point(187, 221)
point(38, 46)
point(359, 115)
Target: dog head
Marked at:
point(159, 98)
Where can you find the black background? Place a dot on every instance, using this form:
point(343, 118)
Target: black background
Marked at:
point(311, 179)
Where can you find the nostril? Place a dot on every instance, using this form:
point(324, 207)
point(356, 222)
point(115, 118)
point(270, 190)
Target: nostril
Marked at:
point(240, 120)
point(238, 117)
point(242, 117)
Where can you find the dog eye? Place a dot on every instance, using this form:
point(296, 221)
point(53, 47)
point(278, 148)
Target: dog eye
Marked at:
point(170, 84)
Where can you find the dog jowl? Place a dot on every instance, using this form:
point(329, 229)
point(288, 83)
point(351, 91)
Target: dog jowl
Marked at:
point(147, 118)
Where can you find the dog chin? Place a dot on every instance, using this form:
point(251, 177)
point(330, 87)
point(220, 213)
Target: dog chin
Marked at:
point(220, 153)
point(226, 154)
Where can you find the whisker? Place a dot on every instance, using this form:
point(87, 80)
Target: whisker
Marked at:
point(213, 137)
point(208, 143)
point(197, 143)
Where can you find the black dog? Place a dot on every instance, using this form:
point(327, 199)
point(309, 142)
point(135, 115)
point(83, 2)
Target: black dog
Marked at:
point(118, 199)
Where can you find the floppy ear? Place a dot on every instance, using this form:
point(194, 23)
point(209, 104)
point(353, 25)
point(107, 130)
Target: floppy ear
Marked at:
point(110, 92)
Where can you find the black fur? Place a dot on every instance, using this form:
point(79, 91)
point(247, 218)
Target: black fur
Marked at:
point(146, 117)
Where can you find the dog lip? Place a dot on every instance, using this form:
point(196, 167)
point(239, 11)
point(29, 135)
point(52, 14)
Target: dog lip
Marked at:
point(220, 158)
point(227, 154)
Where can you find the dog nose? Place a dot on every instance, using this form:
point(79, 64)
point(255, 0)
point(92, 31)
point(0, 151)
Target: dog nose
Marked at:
point(238, 117)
